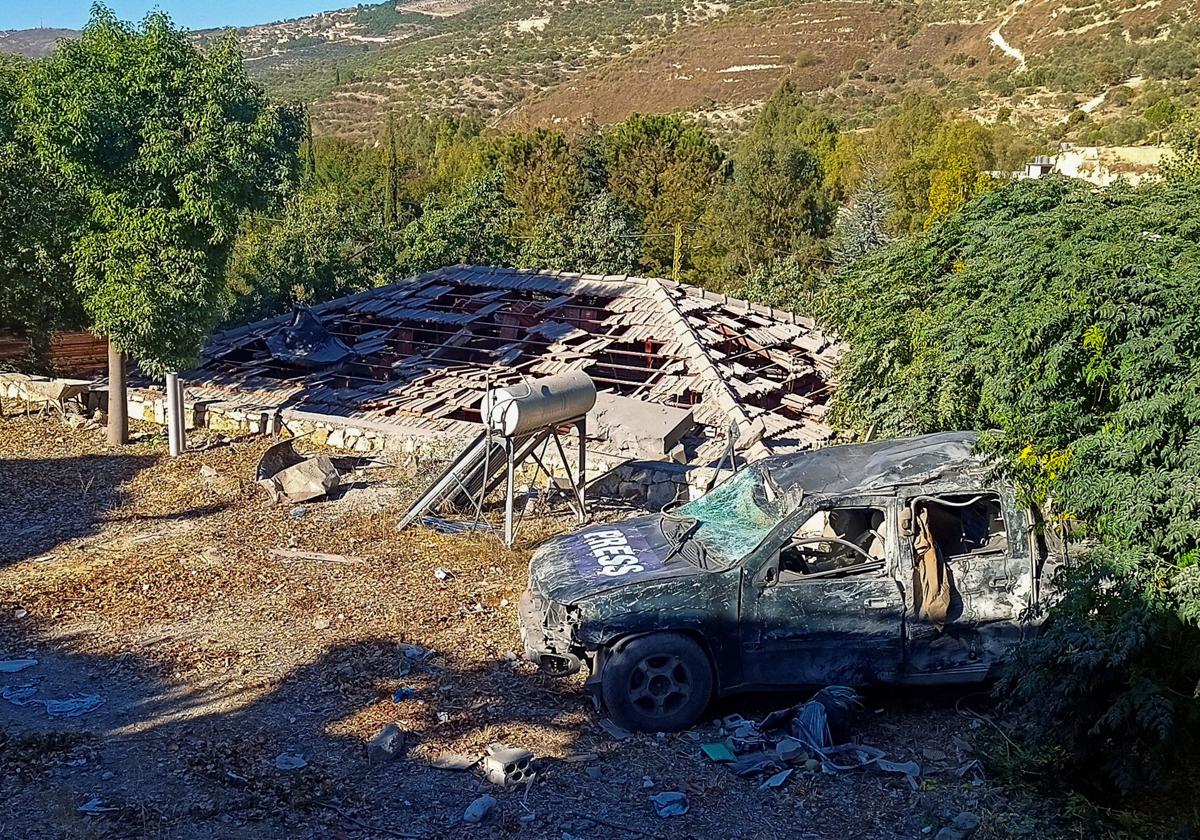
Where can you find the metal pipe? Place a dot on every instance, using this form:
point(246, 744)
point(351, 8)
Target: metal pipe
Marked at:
point(172, 418)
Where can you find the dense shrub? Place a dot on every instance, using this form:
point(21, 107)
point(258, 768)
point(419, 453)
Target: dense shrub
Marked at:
point(1068, 318)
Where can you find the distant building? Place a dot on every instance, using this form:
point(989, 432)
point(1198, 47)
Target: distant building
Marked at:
point(1099, 165)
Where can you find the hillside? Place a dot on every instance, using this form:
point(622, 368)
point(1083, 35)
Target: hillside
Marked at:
point(1078, 68)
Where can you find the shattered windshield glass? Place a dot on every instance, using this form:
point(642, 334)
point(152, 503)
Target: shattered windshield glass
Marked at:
point(735, 517)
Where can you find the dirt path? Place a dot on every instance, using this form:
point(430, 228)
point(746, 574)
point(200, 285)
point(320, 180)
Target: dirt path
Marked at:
point(152, 585)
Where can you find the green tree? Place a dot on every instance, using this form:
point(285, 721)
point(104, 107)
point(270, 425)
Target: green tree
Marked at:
point(664, 168)
point(170, 146)
point(326, 245)
point(542, 175)
point(475, 223)
point(38, 222)
point(1068, 318)
point(601, 238)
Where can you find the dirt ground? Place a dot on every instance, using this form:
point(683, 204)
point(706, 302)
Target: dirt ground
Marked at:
point(151, 583)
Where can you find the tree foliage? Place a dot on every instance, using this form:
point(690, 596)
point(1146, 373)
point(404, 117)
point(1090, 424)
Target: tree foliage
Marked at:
point(474, 224)
point(325, 246)
point(1068, 318)
point(169, 146)
point(38, 218)
point(600, 238)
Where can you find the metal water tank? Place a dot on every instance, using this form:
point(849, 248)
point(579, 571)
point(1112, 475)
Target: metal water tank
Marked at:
point(516, 409)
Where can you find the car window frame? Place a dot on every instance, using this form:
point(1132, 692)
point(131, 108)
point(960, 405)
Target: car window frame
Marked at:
point(767, 552)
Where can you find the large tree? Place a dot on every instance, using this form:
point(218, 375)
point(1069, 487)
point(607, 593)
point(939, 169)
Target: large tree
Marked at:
point(169, 145)
point(38, 220)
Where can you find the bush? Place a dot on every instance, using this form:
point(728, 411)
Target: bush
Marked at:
point(1068, 318)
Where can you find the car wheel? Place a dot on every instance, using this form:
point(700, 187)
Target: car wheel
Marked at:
point(658, 683)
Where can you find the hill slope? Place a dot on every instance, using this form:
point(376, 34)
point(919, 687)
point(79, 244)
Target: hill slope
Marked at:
point(573, 62)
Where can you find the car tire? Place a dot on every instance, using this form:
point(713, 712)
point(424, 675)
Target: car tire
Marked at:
point(657, 683)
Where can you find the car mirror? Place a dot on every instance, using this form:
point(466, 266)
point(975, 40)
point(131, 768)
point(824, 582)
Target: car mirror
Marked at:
point(770, 575)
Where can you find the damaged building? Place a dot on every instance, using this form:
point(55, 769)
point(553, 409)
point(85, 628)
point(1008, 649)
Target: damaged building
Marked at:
point(681, 371)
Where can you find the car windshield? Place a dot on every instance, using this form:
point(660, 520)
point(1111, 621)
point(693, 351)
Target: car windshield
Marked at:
point(734, 518)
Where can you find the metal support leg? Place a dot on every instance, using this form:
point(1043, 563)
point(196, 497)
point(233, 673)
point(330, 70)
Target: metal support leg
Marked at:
point(510, 490)
point(181, 413)
point(581, 475)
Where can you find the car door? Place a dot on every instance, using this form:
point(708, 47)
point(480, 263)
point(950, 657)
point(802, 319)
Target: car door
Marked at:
point(810, 613)
point(983, 543)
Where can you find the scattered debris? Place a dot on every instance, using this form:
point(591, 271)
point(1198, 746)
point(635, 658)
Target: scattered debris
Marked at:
point(290, 761)
point(443, 574)
point(386, 745)
point(719, 752)
point(415, 653)
point(454, 761)
point(305, 343)
point(288, 476)
point(508, 765)
point(615, 731)
point(95, 806)
point(12, 666)
point(777, 780)
point(70, 707)
point(478, 810)
point(207, 472)
point(670, 803)
point(402, 694)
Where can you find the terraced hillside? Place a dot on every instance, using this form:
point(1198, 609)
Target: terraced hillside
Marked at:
point(1082, 65)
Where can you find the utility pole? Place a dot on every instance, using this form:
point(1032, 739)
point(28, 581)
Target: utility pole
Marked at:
point(678, 257)
point(118, 408)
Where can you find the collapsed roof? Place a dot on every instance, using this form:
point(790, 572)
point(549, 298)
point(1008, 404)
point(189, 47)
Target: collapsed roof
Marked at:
point(424, 350)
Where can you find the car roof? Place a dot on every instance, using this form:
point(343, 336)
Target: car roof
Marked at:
point(885, 465)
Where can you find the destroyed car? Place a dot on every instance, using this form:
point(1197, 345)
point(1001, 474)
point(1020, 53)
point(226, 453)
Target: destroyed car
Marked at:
point(896, 562)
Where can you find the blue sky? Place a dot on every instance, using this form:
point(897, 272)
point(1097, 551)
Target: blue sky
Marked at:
point(194, 14)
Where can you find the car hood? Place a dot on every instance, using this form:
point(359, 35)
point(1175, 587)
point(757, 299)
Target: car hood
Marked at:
point(588, 562)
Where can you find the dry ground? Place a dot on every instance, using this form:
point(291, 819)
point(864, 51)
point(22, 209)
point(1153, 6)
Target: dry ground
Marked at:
point(150, 582)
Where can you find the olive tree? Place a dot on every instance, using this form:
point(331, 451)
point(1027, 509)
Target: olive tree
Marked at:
point(170, 145)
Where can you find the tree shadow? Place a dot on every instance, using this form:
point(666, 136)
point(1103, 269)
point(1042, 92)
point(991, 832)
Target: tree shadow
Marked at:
point(48, 502)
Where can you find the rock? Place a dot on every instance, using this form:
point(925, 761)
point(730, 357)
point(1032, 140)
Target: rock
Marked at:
point(478, 810)
point(961, 828)
point(386, 745)
point(290, 761)
point(812, 765)
point(207, 472)
point(670, 803)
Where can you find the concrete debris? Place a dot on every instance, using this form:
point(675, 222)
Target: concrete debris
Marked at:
point(287, 476)
point(437, 341)
point(963, 826)
point(478, 810)
point(207, 472)
point(386, 745)
point(505, 765)
point(670, 803)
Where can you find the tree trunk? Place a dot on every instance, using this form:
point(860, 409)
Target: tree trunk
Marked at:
point(118, 418)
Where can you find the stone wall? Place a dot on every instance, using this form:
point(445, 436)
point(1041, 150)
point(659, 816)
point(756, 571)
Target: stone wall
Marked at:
point(656, 483)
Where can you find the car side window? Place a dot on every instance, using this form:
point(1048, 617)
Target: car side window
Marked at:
point(967, 525)
point(837, 542)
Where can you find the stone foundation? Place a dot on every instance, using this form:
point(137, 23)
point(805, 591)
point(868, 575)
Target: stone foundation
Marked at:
point(656, 483)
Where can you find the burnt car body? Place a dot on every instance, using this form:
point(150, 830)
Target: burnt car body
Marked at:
point(800, 570)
